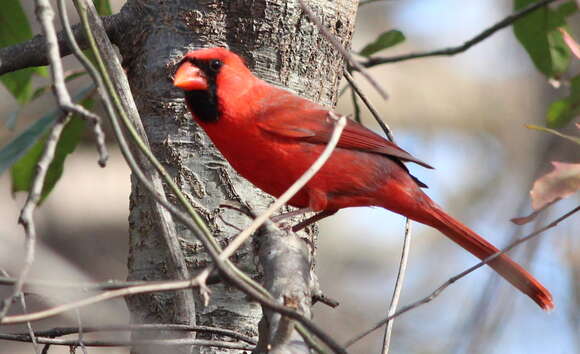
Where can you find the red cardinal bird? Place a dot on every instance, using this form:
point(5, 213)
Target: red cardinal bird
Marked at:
point(271, 137)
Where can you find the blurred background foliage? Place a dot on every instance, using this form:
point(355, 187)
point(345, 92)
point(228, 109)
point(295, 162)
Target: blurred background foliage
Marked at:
point(464, 114)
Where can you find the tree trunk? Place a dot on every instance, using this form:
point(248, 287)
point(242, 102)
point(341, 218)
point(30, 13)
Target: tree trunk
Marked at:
point(281, 46)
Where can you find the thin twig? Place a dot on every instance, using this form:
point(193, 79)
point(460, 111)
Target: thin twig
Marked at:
point(398, 286)
point(353, 96)
point(108, 285)
point(173, 286)
point(130, 343)
point(368, 2)
point(45, 15)
point(184, 300)
point(29, 326)
point(81, 332)
point(290, 192)
point(63, 331)
point(345, 54)
point(234, 275)
point(45, 349)
point(178, 285)
point(202, 231)
point(26, 218)
point(33, 52)
point(108, 295)
point(384, 126)
point(452, 280)
point(373, 61)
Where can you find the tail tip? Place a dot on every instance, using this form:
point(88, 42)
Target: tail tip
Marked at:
point(545, 301)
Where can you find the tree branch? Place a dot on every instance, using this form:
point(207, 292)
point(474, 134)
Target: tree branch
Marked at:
point(452, 280)
point(31, 333)
point(398, 286)
point(238, 278)
point(129, 343)
point(117, 90)
point(384, 126)
point(340, 49)
point(340, 123)
point(108, 295)
point(34, 52)
point(26, 218)
point(64, 331)
point(286, 263)
point(373, 61)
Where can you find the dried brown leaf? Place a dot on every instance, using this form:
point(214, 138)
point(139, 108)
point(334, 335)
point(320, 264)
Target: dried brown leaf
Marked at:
point(561, 182)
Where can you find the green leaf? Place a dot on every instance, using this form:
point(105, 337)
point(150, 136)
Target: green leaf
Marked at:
point(103, 7)
point(538, 33)
point(384, 40)
point(10, 153)
point(15, 149)
point(24, 170)
point(14, 28)
point(18, 84)
point(561, 112)
point(46, 88)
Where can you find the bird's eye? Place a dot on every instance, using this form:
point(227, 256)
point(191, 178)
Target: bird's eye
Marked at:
point(215, 65)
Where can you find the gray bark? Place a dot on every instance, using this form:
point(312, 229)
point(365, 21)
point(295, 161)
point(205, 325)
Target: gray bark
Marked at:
point(286, 262)
point(280, 46)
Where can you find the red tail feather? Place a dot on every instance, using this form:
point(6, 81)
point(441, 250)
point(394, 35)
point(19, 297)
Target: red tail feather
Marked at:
point(503, 264)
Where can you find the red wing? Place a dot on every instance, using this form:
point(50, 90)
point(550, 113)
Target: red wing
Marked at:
point(290, 116)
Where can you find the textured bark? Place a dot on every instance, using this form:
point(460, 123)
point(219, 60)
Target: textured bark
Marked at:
point(286, 263)
point(282, 47)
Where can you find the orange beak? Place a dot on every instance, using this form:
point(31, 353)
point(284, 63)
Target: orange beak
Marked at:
point(190, 78)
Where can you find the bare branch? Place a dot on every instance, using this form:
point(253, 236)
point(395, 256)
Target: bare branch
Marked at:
point(384, 126)
point(108, 295)
point(452, 280)
point(236, 277)
point(368, 2)
point(34, 52)
point(224, 266)
point(373, 61)
point(286, 263)
point(29, 326)
point(173, 286)
point(108, 285)
point(398, 286)
point(289, 193)
point(45, 15)
point(118, 90)
point(63, 331)
point(80, 331)
point(129, 343)
point(345, 54)
point(26, 215)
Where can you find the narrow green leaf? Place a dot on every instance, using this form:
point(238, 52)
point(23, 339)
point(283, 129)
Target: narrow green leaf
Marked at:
point(14, 28)
point(561, 112)
point(23, 171)
point(383, 41)
point(538, 33)
point(20, 146)
point(103, 7)
point(573, 139)
point(10, 121)
point(46, 88)
point(15, 149)
point(18, 84)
